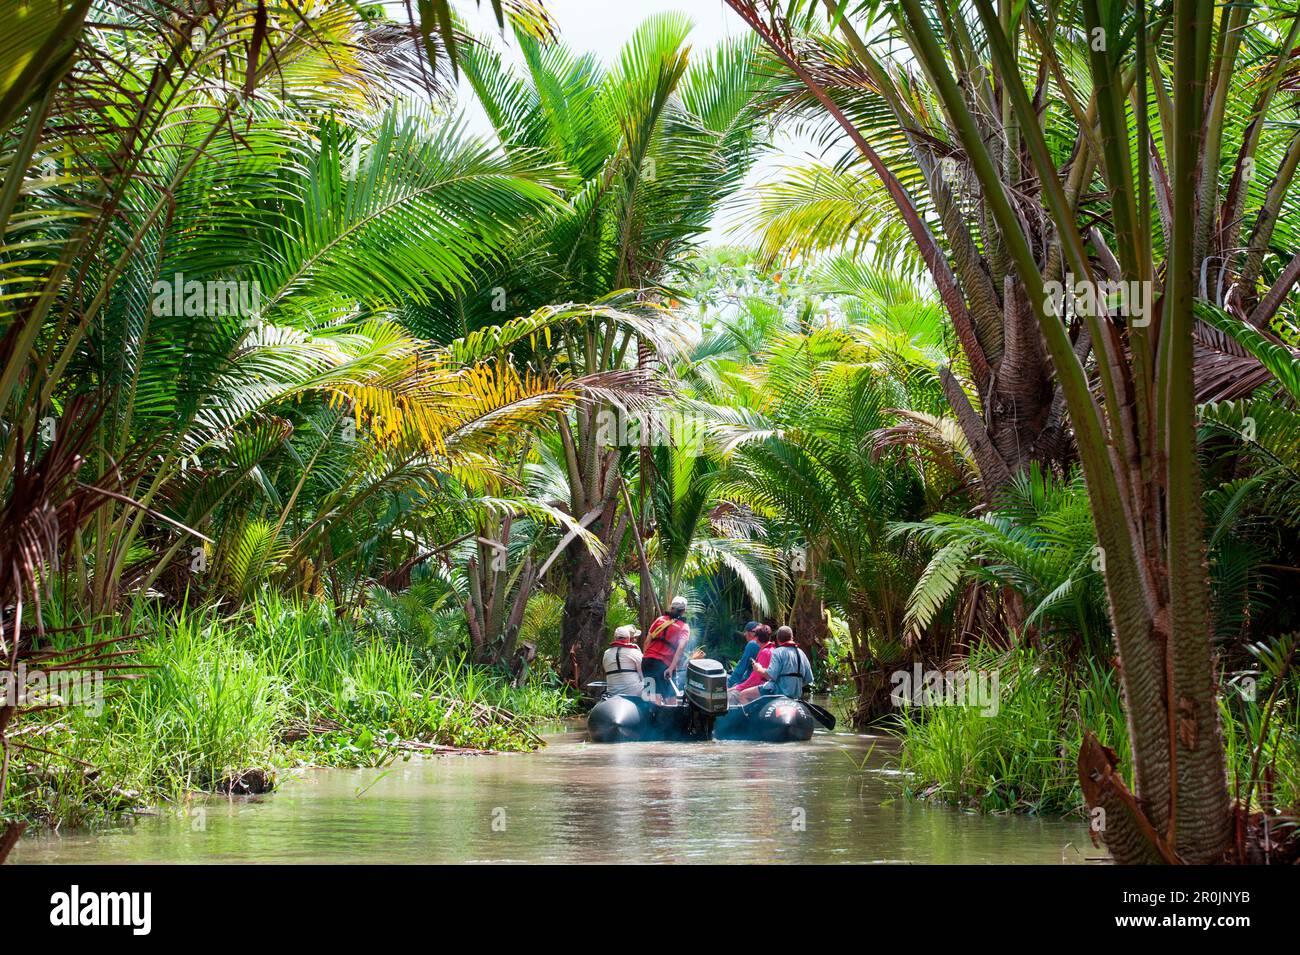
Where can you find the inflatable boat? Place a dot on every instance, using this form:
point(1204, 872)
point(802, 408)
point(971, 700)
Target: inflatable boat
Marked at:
point(701, 713)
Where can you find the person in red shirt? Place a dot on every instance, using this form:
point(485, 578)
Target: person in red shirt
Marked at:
point(765, 646)
point(785, 672)
point(665, 643)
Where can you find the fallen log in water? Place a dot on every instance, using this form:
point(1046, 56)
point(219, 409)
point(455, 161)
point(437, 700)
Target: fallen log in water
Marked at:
point(297, 730)
point(438, 749)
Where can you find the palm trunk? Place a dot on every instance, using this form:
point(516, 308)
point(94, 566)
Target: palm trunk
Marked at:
point(808, 618)
point(582, 634)
point(583, 637)
point(1137, 447)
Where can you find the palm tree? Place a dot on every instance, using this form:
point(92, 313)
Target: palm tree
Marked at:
point(804, 454)
point(209, 247)
point(1152, 134)
point(695, 535)
point(647, 148)
point(1038, 540)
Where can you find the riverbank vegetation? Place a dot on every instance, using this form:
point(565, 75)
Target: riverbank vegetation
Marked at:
point(333, 430)
point(230, 699)
point(1018, 758)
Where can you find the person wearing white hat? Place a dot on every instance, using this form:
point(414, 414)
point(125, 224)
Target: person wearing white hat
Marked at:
point(622, 663)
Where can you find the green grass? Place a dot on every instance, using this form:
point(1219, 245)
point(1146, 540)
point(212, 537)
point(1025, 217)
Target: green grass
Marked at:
point(1018, 759)
point(230, 694)
point(211, 708)
point(1022, 759)
point(1279, 762)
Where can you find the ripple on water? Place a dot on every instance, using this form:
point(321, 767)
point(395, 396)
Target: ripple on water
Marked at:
point(575, 802)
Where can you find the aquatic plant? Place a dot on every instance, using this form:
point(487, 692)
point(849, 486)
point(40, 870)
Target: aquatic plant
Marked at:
point(277, 684)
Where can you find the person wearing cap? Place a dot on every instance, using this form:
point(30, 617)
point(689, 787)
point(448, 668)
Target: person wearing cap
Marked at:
point(664, 646)
point(745, 665)
point(766, 644)
point(622, 663)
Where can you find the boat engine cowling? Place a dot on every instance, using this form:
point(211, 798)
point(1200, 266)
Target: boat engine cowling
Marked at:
point(706, 686)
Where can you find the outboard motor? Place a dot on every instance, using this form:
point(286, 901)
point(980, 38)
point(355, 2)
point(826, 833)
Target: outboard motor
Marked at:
point(706, 696)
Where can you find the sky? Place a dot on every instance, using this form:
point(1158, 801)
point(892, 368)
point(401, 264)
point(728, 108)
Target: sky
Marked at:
point(602, 27)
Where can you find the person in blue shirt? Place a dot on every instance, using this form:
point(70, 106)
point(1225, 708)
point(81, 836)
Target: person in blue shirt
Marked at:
point(745, 665)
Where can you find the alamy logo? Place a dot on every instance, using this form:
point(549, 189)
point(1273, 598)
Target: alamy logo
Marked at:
point(650, 429)
point(977, 689)
point(1133, 300)
point(178, 296)
point(75, 907)
point(23, 687)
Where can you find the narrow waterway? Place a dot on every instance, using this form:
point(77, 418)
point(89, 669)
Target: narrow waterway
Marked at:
point(833, 799)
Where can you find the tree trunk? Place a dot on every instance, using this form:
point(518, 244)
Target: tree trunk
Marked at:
point(808, 619)
point(871, 677)
point(582, 637)
point(582, 634)
point(1131, 413)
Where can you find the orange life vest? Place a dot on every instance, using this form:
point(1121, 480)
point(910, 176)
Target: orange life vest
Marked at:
point(666, 635)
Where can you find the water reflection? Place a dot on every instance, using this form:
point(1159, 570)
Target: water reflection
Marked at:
point(578, 802)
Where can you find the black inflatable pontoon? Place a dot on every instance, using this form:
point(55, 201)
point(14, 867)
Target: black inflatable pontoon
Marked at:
point(702, 714)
